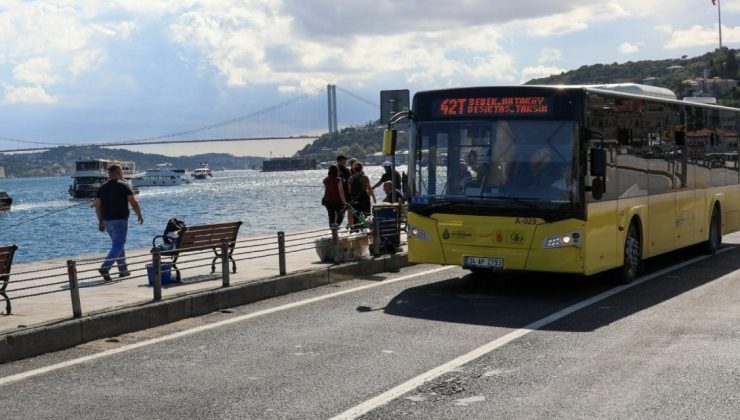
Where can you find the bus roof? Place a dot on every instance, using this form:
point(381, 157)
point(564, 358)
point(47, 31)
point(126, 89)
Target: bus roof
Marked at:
point(628, 89)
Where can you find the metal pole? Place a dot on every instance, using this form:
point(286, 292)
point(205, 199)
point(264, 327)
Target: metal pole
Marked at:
point(157, 266)
point(719, 18)
point(225, 274)
point(74, 289)
point(281, 252)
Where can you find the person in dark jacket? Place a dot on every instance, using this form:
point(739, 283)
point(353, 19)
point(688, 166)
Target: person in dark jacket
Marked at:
point(334, 200)
point(111, 206)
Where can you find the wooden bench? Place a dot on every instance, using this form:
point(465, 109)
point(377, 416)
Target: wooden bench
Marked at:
point(6, 260)
point(202, 237)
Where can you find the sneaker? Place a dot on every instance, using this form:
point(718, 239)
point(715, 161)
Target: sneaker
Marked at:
point(105, 273)
point(124, 273)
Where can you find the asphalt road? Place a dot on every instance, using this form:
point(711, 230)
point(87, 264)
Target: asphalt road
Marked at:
point(667, 347)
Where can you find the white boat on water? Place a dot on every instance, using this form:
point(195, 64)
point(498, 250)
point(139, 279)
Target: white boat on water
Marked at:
point(202, 171)
point(90, 174)
point(165, 174)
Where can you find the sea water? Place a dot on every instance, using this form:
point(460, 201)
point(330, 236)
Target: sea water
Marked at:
point(45, 223)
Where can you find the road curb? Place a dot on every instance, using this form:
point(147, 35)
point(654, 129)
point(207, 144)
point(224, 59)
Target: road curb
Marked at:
point(65, 334)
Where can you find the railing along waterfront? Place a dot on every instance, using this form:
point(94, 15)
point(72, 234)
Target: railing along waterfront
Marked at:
point(81, 274)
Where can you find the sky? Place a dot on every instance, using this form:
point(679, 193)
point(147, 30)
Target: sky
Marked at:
point(83, 71)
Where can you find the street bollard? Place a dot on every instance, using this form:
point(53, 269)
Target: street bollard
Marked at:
point(334, 233)
point(74, 289)
point(335, 243)
point(376, 237)
point(157, 267)
point(225, 274)
point(281, 252)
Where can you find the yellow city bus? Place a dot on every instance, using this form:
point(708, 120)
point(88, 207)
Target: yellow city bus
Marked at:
point(568, 179)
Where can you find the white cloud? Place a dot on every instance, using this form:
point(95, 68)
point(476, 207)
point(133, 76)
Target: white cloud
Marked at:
point(27, 94)
point(287, 89)
point(47, 41)
point(630, 48)
point(255, 42)
point(537, 72)
point(550, 54)
point(85, 60)
point(35, 71)
point(699, 36)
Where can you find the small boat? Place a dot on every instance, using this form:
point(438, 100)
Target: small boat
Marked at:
point(5, 201)
point(90, 174)
point(165, 174)
point(202, 171)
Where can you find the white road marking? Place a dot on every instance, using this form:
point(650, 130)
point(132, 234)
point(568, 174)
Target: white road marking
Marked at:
point(417, 381)
point(46, 369)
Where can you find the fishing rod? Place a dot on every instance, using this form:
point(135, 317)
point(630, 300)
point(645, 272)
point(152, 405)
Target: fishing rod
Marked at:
point(48, 214)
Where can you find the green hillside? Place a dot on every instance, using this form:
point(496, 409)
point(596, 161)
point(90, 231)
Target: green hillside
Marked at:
point(60, 161)
point(356, 142)
point(670, 73)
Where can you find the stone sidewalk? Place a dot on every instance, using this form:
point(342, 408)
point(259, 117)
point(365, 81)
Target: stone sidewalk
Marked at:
point(257, 265)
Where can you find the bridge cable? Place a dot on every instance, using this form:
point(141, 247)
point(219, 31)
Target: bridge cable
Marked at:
point(358, 97)
point(233, 120)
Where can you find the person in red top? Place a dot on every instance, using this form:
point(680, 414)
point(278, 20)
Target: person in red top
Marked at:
point(334, 200)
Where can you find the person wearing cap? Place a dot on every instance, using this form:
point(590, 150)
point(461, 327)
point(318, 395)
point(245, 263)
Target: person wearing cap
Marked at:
point(389, 173)
point(111, 207)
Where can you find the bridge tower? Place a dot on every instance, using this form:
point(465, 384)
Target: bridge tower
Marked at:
point(331, 93)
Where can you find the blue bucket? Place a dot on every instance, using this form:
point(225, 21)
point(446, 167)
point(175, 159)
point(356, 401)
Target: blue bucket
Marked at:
point(165, 269)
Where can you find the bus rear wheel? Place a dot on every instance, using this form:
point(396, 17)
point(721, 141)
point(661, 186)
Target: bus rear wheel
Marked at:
point(632, 256)
point(715, 234)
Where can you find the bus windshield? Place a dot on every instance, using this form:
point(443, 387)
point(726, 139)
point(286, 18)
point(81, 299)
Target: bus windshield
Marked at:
point(509, 163)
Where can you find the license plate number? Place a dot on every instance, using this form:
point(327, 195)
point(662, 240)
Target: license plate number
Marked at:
point(484, 262)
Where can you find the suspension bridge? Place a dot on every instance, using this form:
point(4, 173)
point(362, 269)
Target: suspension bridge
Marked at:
point(306, 116)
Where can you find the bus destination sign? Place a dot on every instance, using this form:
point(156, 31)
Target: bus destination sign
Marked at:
point(494, 106)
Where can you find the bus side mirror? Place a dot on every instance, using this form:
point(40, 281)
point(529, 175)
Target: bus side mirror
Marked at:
point(597, 188)
point(598, 162)
point(389, 142)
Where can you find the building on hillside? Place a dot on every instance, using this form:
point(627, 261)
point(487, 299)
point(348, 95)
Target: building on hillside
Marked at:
point(2, 172)
point(708, 86)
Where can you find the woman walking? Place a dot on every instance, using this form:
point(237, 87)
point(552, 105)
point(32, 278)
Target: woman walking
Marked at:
point(334, 200)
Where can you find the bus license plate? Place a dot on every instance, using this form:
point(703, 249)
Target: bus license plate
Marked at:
point(484, 262)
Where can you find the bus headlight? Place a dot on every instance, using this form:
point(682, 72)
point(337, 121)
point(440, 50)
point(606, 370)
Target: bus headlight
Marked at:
point(415, 232)
point(563, 240)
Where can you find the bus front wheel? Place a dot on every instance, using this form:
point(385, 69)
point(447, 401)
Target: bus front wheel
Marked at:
point(715, 233)
point(632, 256)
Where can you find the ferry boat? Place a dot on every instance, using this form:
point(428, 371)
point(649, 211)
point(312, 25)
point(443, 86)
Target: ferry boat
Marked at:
point(90, 174)
point(165, 174)
point(202, 171)
point(5, 201)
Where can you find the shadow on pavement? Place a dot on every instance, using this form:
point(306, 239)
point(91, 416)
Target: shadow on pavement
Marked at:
point(514, 301)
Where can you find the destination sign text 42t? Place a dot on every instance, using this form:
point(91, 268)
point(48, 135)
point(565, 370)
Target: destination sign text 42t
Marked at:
point(516, 105)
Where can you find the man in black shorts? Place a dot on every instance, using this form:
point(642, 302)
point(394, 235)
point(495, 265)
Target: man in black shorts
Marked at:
point(111, 207)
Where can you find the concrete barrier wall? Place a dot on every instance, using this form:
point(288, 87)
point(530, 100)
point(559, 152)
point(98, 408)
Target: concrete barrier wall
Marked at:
point(66, 334)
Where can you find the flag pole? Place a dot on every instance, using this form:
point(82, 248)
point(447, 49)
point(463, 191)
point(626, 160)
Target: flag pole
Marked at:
point(719, 18)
